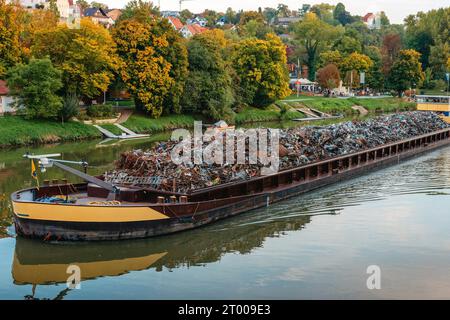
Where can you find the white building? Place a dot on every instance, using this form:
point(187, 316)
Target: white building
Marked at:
point(372, 20)
point(5, 100)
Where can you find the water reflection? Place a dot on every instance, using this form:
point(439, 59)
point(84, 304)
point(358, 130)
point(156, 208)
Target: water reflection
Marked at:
point(39, 263)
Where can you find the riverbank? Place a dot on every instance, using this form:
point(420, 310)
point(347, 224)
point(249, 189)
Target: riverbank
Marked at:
point(16, 131)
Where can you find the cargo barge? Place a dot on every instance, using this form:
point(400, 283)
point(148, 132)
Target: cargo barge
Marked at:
point(98, 211)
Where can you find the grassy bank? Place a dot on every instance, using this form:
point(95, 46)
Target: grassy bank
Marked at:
point(17, 131)
point(344, 106)
point(143, 124)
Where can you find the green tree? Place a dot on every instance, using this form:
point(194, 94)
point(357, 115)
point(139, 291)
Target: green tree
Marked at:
point(140, 10)
point(256, 29)
point(185, 15)
point(406, 71)
point(208, 89)
point(374, 76)
point(439, 54)
point(330, 57)
point(347, 45)
point(313, 34)
point(261, 66)
point(70, 107)
point(83, 4)
point(35, 86)
point(95, 4)
point(86, 56)
point(340, 14)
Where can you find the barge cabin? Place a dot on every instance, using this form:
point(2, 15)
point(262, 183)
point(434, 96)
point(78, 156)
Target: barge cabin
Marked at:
point(438, 104)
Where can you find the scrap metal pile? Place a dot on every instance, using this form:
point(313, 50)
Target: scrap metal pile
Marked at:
point(297, 146)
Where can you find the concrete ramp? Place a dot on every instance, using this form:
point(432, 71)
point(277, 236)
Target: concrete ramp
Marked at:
point(106, 133)
point(128, 134)
point(124, 129)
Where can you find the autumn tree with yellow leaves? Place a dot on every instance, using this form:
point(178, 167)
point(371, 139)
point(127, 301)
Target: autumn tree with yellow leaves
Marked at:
point(12, 50)
point(86, 56)
point(153, 63)
point(261, 67)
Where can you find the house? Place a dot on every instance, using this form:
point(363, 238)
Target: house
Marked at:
point(166, 14)
point(31, 4)
point(175, 22)
point(286, 21)
point(5, 100)
point(114, 14)
point(63, 8)
point(190, 30)
point(222, 21)
point(98, 15)
point(198, 20)
point(372, 20)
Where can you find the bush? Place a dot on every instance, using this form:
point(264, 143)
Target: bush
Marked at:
point(100, 111)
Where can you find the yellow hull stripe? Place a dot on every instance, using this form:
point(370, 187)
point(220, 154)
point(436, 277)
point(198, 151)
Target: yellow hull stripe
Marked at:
point(56, 273)
point(74, 213)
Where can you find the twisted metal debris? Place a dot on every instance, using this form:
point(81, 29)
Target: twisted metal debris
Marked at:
point(298, 146)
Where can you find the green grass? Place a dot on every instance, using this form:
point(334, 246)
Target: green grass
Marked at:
point(112, 128)
point(344, 106)
point(384, 104)
point(250, 114)
point(140, 123)
point(17, 131)
point(121, 103)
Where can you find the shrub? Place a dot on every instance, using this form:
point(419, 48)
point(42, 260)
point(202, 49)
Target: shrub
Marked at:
point(100, 111)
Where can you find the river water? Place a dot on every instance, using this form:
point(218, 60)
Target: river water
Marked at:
point(318, 245)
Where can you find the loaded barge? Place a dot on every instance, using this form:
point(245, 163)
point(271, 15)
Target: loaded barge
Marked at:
point(96, 210)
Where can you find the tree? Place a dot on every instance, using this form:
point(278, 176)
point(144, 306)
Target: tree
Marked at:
point(313, 34)
point(53, 7)
point(375, 77)
point(384, 20)
point(270, 14)
point(86, 56)
point(329, 77)
point(347, 45)
point(357, 61)
point(208, 89)
point(95, 4)
point(247, 16)
point(406, 71)
point(140, 10)
point(185, 15)
point(83, 4)
point(324, 12)
point(11, 27)
point(439, 54)
point(70, 107)
point(261, 67)
point(330, 57)
point(391, 46)
point(256, 29)
point(154, 63)
point(353, 64)
point(283, 10)
point(35, 85)
point(340, 14)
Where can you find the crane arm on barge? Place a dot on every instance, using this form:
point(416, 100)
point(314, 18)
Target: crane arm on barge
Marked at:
point(46, 161)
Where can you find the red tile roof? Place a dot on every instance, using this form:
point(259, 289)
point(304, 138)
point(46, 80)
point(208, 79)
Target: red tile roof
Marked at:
point(367, 16)
point(176, 22)
point(196, 29)
point(3, 88)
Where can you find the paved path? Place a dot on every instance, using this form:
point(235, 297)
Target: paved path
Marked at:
point(124, 115)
